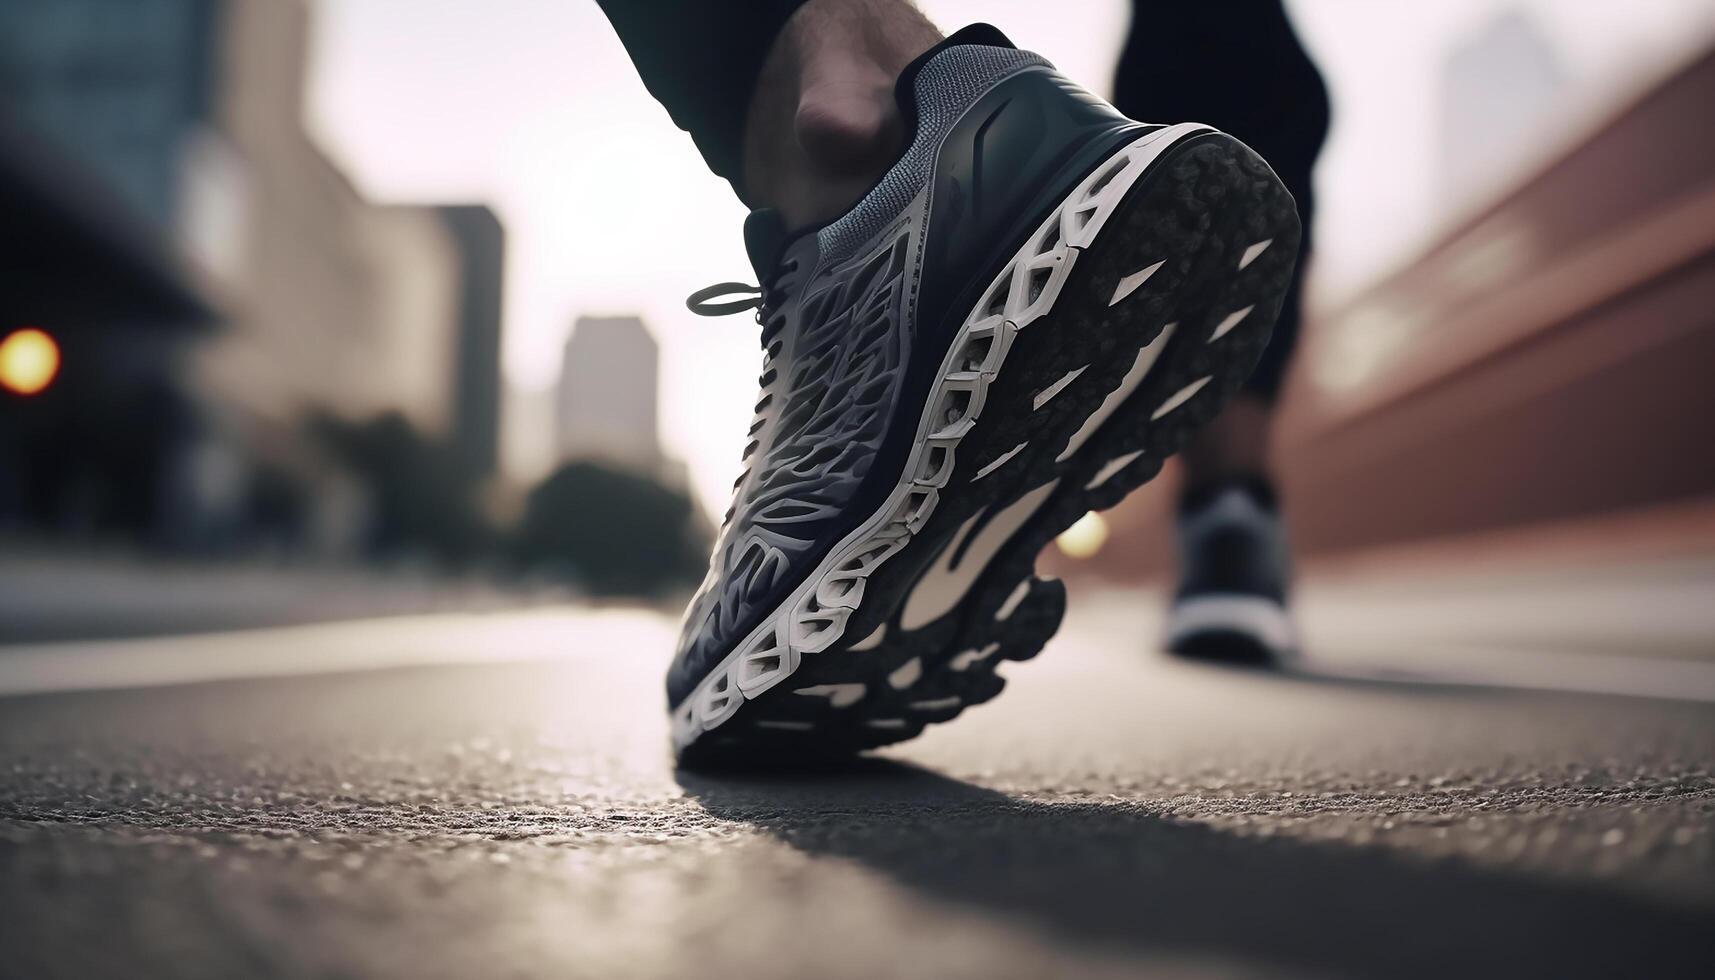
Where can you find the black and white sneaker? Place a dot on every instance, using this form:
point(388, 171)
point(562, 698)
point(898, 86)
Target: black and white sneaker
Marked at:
point(1016, 325)
point(1234, 572)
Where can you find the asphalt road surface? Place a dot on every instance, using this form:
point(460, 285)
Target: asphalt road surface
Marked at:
point(456, 813)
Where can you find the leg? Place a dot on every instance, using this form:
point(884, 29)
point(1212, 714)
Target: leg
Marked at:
point(1269, 94)
point(791, 101)
point(1237, 66)
point(823, 123)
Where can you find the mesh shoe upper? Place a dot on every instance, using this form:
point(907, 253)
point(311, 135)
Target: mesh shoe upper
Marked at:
point(848, 339)
point(1232, 542)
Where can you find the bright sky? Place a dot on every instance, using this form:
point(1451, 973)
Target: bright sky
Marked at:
point(532, 106)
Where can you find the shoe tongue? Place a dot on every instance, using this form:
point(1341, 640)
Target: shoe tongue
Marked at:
point(764, 236)
point(983, 34)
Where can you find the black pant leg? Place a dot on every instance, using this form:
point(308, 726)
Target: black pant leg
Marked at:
point(700, 59)
point(1238, 66)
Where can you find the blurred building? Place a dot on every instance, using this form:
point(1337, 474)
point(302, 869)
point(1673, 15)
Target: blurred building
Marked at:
point(419, 295)
point(173, 132)
point(335, 303)
point(608, 392)
point(480, 245)
point(93, 99)
point(115, 85)
point(1500, 90)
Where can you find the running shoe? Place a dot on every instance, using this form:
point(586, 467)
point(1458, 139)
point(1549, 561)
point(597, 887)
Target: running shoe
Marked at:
point(1029, 312)
point(1231, 604)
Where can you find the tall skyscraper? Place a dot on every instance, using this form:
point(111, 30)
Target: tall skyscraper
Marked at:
point(608, 388)
point(481, 245)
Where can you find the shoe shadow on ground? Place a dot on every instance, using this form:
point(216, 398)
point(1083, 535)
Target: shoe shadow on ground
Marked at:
point(1130, 880)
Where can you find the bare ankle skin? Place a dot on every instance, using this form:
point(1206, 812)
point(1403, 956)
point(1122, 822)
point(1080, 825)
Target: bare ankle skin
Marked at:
point(823, 124)
point(1234, 444)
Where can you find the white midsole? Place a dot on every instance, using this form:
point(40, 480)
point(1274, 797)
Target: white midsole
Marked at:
point(718, 696)
point(1258, 617)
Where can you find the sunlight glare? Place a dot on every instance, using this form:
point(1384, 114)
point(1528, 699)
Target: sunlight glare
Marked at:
point(29, 359)
point(1084, 538)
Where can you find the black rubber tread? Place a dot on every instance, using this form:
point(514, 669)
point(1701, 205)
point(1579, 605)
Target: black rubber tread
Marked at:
point(1226, 646)
point(1197, 210)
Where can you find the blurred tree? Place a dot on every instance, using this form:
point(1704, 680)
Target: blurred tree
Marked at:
point(616, 532)
point(423, 497)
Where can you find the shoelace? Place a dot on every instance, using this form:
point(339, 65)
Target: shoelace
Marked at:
point(762, 299)
point(699, 301)
point(702, 302)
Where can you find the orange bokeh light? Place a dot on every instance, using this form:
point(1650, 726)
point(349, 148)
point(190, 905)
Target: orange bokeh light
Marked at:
point(29, 360)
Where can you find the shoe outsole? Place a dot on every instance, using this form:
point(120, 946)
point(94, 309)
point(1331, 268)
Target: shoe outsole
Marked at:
point(1233, 647)
point(1231, 628)
point(1203, 234)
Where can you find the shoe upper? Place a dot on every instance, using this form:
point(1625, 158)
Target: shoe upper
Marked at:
point(857, 317)
point(1232, 542)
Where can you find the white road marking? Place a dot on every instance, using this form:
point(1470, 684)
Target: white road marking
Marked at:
point(334, 647)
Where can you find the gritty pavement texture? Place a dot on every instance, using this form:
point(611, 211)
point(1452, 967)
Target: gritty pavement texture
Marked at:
point(1112, 814)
